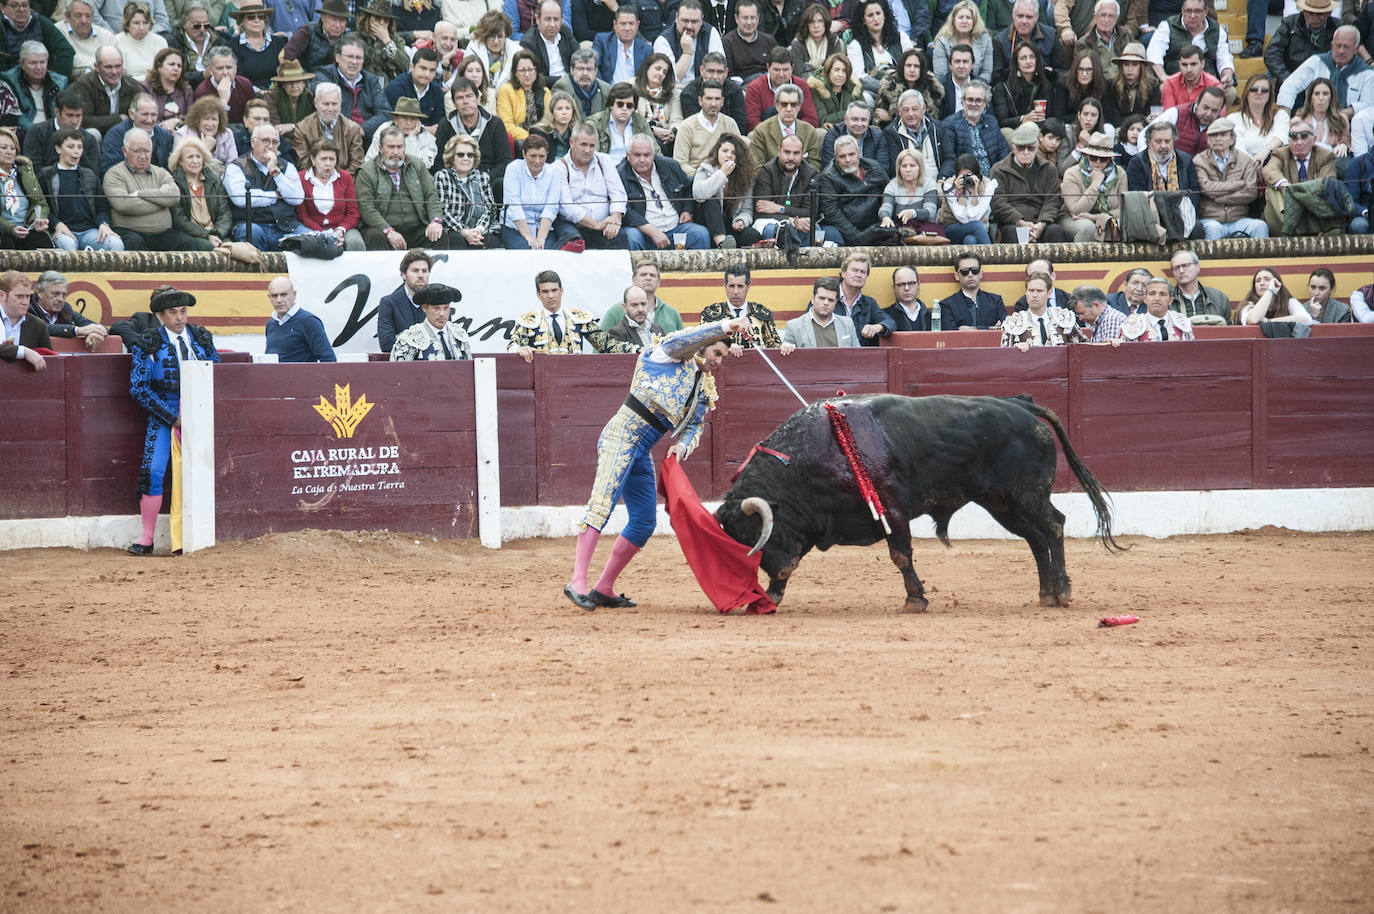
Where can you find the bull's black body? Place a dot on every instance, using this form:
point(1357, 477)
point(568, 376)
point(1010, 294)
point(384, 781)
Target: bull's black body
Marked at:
point(926, 455)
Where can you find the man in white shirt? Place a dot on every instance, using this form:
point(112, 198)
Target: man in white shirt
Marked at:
point(621, 51)
point(18, 336)
point(820, 327)
point(594, 199)
point(275, 189)
point(551, 42)
point(661, 201)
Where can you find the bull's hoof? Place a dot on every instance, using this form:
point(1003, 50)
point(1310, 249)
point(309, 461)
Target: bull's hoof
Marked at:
point(1050, 599)
point(914, 605)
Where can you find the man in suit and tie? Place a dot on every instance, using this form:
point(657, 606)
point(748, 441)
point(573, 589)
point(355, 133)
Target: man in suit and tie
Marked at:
point(820, 327)
point(20, 333)
point(971, 308)
point(1301, 160)
point(399, 311)
point(621, 50)
point(766, 138)
point(551, 42)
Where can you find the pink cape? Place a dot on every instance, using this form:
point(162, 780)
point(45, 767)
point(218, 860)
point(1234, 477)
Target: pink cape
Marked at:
point(728, 575)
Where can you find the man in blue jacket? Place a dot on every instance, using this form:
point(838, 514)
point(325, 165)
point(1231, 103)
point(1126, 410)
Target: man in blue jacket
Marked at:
point(294, 334)
point(399, 310)
point(621, 50)
point(1359, 180)
point(957, 132)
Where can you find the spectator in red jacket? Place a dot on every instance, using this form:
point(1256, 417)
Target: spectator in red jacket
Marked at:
point(758, 97)
point(331, 200)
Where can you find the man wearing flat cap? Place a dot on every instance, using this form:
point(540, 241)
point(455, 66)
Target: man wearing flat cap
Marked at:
point(436, 338)
point(1028, 193)
point(155, 384)
point(1229, 181)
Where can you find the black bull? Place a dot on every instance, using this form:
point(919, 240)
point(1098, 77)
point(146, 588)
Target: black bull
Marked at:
point(926, 455)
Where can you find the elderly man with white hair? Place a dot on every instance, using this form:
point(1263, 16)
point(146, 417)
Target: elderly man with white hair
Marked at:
point(328, 123)
point(851, 189)
point(1026, 28)
point(263, 191)
point(141, 197)
point(84, 35)
point(594, 199)
point(1352, 78)
point(659, 201)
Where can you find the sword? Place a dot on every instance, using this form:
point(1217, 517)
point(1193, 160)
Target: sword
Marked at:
point(759, 350)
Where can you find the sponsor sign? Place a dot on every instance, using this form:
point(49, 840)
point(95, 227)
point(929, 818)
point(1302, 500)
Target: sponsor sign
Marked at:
point(497, 287)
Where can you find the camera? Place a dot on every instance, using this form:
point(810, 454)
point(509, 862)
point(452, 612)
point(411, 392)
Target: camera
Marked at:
point(968, 181)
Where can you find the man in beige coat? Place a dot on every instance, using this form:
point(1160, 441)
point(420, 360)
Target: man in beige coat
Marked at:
point(328, 120)
point(766, 138)
point(1301, 160)
point(1229, 180)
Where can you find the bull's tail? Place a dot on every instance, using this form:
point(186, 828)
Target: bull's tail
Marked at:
point(1101, 501)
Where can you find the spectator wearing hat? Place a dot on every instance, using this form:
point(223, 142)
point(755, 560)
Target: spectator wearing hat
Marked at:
point(1027, 193)
point(1092, 189)
point(264, 191)
point(1191, 121)
point(420, 85)
point(293, 333)
point(408, 118)
point(361, 91)
point(155, 385)
point(1229, 181)
point(1304, 34)
point(397, 199)
point(1133, 89)
point(223, 81)
point(313, 44)
point(329, 123)
point(383, 50)
point(289, 101)
point(436, 338)
point(256, 48)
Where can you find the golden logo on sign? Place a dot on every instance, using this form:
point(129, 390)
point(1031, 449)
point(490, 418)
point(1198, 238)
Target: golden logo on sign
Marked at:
point(344, 414)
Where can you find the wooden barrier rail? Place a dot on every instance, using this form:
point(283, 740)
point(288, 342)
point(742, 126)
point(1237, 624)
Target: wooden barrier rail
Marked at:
point(1228, 414)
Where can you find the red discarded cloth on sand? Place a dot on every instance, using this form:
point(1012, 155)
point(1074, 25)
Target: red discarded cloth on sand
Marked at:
point(727, 573)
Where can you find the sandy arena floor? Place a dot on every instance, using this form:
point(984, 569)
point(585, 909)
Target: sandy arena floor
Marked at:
point(333, 722)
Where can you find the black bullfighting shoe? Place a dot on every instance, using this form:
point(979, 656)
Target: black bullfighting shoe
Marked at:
point(580, 600)
point(600, 599)
point(139, 549)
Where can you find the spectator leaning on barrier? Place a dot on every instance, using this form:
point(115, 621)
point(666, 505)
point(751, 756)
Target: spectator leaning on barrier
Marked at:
point(1200, 304)
point(294, 334)
point(737, 304)
point(49, 305)
point(20, 334)
point(1160, 323)
point(1101, 320)
point(819, 327)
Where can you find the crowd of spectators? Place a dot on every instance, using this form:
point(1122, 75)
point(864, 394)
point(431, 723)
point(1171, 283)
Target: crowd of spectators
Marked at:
point(453, 125)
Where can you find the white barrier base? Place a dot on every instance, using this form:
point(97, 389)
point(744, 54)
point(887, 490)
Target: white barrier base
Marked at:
point(1153, 514)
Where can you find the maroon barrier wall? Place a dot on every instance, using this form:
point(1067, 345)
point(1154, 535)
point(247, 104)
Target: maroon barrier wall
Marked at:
point(409, 464)
point(1231, 413)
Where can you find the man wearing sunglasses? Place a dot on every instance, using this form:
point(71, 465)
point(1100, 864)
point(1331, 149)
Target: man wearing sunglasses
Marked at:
point(971, 308)
point(194, 38)
point(1301, 160)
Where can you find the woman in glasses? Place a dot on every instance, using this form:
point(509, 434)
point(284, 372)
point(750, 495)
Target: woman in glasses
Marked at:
point(137, 41)
point(470, 212)
point(256, 50)
point(520, 102)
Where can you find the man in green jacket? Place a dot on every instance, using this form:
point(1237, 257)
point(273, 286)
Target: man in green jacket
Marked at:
point(397, 200)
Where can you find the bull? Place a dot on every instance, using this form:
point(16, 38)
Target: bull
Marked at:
point(926, 455)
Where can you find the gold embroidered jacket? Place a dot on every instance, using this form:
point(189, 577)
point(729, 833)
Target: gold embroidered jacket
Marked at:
point(583, 331)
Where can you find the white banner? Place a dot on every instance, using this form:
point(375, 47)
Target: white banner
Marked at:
point(497, 287)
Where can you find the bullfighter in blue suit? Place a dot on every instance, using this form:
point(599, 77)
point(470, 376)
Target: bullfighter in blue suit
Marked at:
point(155, 384)
point(672, 390)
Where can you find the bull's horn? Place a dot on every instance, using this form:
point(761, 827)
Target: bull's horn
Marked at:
point(762, 508)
